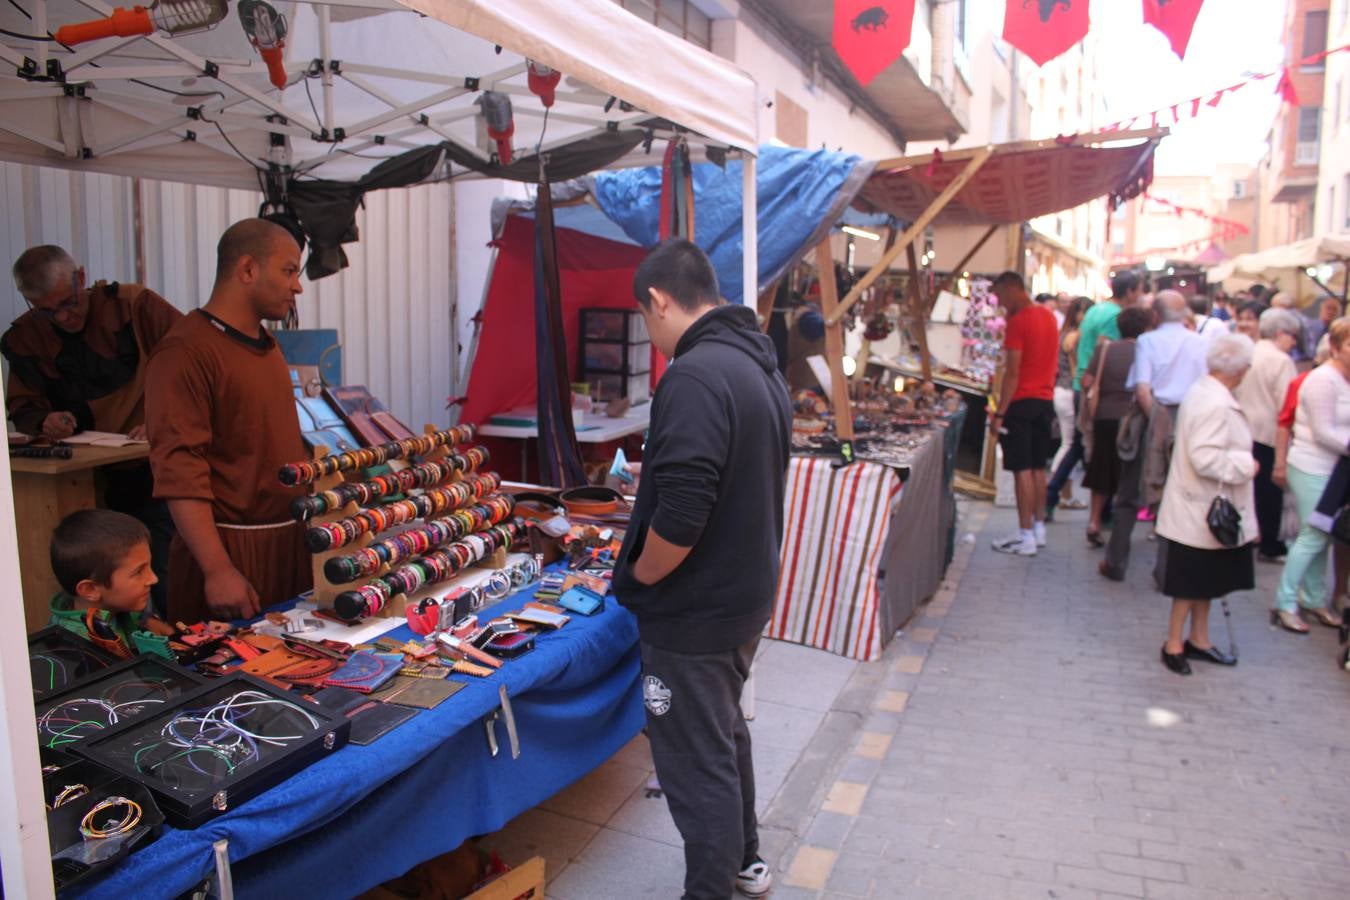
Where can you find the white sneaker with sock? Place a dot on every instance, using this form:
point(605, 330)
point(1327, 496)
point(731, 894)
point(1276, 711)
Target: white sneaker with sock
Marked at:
point(1038, 529)
point(754, 880)
point(1019, 543)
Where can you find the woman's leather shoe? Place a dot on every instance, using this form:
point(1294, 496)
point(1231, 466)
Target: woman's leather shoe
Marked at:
point(1323, 616)
point(1209, 655)
point(1176, 661)
point(1288, 621)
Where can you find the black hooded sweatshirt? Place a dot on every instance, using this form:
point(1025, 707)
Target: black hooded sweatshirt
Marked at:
point(712, 479)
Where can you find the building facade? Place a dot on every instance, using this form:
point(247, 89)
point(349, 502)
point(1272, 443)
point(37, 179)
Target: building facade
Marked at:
point(1290, 180)
point(1332, 205)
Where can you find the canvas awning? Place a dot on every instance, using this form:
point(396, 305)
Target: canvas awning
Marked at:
point(365, 80)
point(1017, 182)
point(1270, 265)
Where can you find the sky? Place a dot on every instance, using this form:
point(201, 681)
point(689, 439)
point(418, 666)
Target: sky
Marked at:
point(1140, 73)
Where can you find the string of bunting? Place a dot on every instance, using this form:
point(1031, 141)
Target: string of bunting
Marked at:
point(1228, 228)
point(433, 568)
point(420, 540)
point(363, 493)
point(433, 502)
point(365, 457)
point(1189, 109)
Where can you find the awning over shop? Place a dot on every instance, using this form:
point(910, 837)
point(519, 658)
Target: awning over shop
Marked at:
point(364, 81)
point(1016, 183)
point(1271, 265)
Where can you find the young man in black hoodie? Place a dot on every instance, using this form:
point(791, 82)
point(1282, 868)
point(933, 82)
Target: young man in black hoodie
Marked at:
point(699, 566)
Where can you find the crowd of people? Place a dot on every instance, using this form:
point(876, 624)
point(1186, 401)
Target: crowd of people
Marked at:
point(1224, 423)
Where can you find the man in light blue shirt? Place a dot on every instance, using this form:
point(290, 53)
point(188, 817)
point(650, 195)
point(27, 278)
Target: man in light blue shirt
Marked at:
point(1167, 361)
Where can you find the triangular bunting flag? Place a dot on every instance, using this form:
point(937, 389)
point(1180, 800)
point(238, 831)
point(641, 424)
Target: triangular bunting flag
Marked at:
point(1288, 93)
point(1175, 19)
point(1043, 29)
point(869, 35)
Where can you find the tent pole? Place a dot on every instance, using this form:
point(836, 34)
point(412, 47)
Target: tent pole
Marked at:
point(326, 76)
point(946, 283)
point(918, 308)
point(25, 855)
point(915, 229)
point(749, 230)
point(834, 343)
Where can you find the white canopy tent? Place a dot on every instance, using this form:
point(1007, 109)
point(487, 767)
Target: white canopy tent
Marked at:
point(364, 81)
point(1283, 266)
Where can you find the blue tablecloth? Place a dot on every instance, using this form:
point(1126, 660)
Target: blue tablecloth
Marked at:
point(367, 814)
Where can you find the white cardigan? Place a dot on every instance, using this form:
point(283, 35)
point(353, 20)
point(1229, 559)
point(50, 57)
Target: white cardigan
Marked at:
point(1321, 422)
point(1212, 456)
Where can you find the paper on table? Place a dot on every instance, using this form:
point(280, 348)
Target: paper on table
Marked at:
point(102, 439)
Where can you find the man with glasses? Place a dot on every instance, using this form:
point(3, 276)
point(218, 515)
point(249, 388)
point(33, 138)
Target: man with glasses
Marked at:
point(77, 362)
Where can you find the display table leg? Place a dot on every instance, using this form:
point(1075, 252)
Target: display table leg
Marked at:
point(40, 503)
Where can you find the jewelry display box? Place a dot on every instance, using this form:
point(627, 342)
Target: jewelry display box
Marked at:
point(76, 859)
point(58, 659)
point(110, 697)
point(218, 746)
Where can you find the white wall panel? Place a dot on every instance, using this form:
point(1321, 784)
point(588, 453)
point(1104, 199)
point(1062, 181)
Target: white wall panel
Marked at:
point(88, 214)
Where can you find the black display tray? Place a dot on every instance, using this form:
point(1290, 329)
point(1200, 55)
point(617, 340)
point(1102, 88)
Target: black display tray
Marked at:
point(168, 752)
point(58, 659)
point(107, 698)
point(74, 859)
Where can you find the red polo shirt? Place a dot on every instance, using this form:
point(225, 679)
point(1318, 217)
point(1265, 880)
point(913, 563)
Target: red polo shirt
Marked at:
point(1033, 331)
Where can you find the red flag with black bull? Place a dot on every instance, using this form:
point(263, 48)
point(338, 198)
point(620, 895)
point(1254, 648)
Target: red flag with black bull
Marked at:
point(1174, 18)
point(869, 35)
point(1043, 29)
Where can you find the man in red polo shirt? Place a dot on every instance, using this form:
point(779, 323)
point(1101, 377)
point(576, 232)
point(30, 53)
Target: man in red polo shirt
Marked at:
point(1026, 409)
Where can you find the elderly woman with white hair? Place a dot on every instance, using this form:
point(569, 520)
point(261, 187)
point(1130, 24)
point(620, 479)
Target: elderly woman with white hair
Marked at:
point(1212, 458)
point(1321, 438)
point(1261, 395)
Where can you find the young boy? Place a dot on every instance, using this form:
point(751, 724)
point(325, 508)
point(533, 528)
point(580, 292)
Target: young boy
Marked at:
point(101, 559)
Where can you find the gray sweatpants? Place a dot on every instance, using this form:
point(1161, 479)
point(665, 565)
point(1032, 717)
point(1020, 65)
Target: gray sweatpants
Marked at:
point(701, 747)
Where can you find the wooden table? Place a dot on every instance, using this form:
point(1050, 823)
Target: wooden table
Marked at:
point(45, 492)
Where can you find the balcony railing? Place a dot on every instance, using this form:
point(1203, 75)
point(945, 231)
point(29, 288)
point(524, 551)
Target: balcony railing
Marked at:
point(1306, 153)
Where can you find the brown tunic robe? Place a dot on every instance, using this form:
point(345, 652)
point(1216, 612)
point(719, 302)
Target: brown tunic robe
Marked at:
point(222, 422)
point(98, 374)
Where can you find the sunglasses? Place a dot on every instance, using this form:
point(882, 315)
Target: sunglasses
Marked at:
point(66, 307)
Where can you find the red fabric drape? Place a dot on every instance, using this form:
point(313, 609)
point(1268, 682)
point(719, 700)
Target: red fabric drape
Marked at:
point(595, 272)
point(1175, 19)
point(1043, 29)
point(869, 35)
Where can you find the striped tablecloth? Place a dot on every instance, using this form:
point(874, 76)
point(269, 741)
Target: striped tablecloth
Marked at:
point(836, 523)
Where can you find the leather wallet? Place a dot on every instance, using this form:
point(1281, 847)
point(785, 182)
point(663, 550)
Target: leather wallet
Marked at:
point(364, 672)
point(371, 723)
point(581, 601)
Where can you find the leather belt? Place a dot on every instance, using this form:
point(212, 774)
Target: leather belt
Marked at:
point(538, 505)
point(591, 500)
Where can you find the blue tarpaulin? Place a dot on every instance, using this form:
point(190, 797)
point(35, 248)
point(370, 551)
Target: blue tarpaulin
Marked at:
point(801, 194)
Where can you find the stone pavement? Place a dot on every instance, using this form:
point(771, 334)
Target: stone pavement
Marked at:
point(1019, 739)
point(1027, 743)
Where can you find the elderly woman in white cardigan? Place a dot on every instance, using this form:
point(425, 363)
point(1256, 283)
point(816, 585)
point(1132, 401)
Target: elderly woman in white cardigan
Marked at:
point(1212, 457)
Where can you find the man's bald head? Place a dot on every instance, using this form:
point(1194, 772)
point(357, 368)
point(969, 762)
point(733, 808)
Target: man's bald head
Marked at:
point(1170, 306)
point(256, 238)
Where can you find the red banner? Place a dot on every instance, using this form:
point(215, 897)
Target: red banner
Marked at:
point(869, 35)
point(1175, 19)
point(1043, 29)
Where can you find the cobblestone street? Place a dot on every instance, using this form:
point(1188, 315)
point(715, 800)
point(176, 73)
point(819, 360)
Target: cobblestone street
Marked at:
point(1025, 741)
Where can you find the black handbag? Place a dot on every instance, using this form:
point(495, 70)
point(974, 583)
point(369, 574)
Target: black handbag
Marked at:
point(1225, 522)
point(1340, 526)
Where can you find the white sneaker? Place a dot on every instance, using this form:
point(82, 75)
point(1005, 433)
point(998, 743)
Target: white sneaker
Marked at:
point(754, 880)
point(1039, 529)
point(1016, 545)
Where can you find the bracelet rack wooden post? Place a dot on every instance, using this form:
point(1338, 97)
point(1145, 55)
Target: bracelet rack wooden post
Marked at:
point(325, 591)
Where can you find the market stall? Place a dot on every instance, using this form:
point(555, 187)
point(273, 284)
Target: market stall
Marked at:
point(305, 102)
point(1310, 269)
point(346, 823)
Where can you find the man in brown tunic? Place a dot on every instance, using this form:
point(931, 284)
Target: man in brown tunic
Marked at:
point(77, 361)
point(222, 423)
